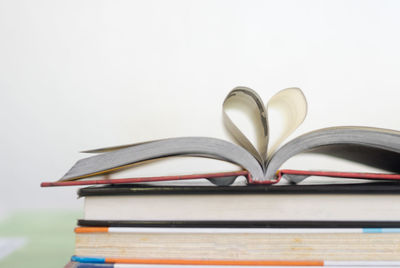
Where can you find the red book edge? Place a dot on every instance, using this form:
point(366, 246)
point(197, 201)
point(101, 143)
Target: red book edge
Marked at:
point(280, 174)
point(148, 179)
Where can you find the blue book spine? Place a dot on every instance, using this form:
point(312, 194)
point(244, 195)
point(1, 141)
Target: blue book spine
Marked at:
point(94, 265)
point(91, 262)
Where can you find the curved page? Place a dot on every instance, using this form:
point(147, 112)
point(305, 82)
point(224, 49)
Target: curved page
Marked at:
point(199, 146)
point(248, 102)
point(292, 106)
point(375, 147)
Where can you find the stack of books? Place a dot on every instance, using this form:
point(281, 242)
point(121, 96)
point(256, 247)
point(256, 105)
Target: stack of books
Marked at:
point(145, 222)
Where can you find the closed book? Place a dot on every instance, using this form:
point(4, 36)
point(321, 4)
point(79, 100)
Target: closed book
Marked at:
point(246, 246)
point(373, 202)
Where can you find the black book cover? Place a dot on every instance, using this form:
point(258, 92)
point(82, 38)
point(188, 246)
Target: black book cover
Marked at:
point(349, 188)
point(242, 224)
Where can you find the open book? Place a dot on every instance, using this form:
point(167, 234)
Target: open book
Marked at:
point(379, 148)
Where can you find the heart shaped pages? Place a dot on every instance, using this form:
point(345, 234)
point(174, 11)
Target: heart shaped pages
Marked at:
point(291, 105)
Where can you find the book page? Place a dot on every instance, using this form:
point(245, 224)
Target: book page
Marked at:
point(290, 107)
point(246, 101)
point(373, 147)
point(115, 160)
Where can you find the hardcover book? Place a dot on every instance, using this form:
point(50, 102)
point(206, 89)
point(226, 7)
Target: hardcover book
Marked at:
point(336, 205)
point(261, 160)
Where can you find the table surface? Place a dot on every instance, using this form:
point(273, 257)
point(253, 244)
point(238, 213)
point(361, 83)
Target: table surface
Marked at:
point(37, 238)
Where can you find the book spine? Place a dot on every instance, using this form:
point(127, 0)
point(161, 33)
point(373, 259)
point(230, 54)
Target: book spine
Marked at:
point(90, 262)
point(197, 262)
point(235, 230)
point(96, 265)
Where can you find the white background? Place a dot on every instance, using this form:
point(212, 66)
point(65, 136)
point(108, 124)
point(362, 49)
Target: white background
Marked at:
point(76, 75)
